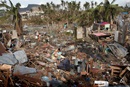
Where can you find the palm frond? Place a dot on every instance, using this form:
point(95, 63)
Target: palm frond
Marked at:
point(4, 5)
point(113, 1)
point(12, 6)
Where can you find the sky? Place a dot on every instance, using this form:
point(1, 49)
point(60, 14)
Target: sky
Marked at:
point(24, 3)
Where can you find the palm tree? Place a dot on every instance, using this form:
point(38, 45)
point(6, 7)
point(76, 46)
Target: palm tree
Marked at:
point(97, 15)
point(47, 12)
point(63, 4)
point(18, 5)
point(13, 11)
point(114, 10)
point(4, 18)
point(99, 12)
point(86, 5)
point(69, 12)
point(107, 11)
point(53, 6)
point(16, 17)
point(95, 3)
point(92, 4)
point(3, 4)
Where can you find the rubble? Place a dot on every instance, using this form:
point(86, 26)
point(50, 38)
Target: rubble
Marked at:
point(38, 63)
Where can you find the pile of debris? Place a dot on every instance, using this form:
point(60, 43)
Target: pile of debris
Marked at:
point(44, 59)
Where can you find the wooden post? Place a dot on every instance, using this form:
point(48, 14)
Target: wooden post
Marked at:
point(124, 33)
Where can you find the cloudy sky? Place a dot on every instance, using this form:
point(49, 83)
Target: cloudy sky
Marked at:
point(24, 3)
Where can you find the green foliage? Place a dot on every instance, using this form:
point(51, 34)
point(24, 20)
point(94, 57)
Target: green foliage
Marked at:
point(13, 11)
point(71, 12)
point(106, 11)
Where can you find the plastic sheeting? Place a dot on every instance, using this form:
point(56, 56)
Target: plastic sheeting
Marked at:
point(21, 70)
point(45, 78)
point(8, 58)
point(118, 50)
point(13, 58)
point(21, 56)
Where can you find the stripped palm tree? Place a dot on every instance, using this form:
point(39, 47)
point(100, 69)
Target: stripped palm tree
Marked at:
point(3, 19)
point(16, 17)
point(86, 5)
point(12, 11)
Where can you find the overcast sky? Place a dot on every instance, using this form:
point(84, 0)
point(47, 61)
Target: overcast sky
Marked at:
point(24, 3)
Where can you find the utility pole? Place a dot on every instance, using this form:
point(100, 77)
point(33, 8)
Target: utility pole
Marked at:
point(122, 26)
point(125, 28)
point(124, 32)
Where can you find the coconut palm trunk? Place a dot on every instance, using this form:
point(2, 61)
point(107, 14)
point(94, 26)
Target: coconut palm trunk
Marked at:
point(16, 18)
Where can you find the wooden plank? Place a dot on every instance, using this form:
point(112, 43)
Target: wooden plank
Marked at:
point(123, 72)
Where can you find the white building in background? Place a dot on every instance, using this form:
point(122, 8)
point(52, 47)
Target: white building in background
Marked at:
point(2, 9)
point(31, 10)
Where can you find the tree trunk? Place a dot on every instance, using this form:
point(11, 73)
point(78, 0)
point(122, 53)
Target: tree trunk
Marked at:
point(17, 28)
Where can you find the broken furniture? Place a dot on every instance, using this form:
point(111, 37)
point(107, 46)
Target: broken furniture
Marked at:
point(125, 75)
point(98, 36)
point(115, 70)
